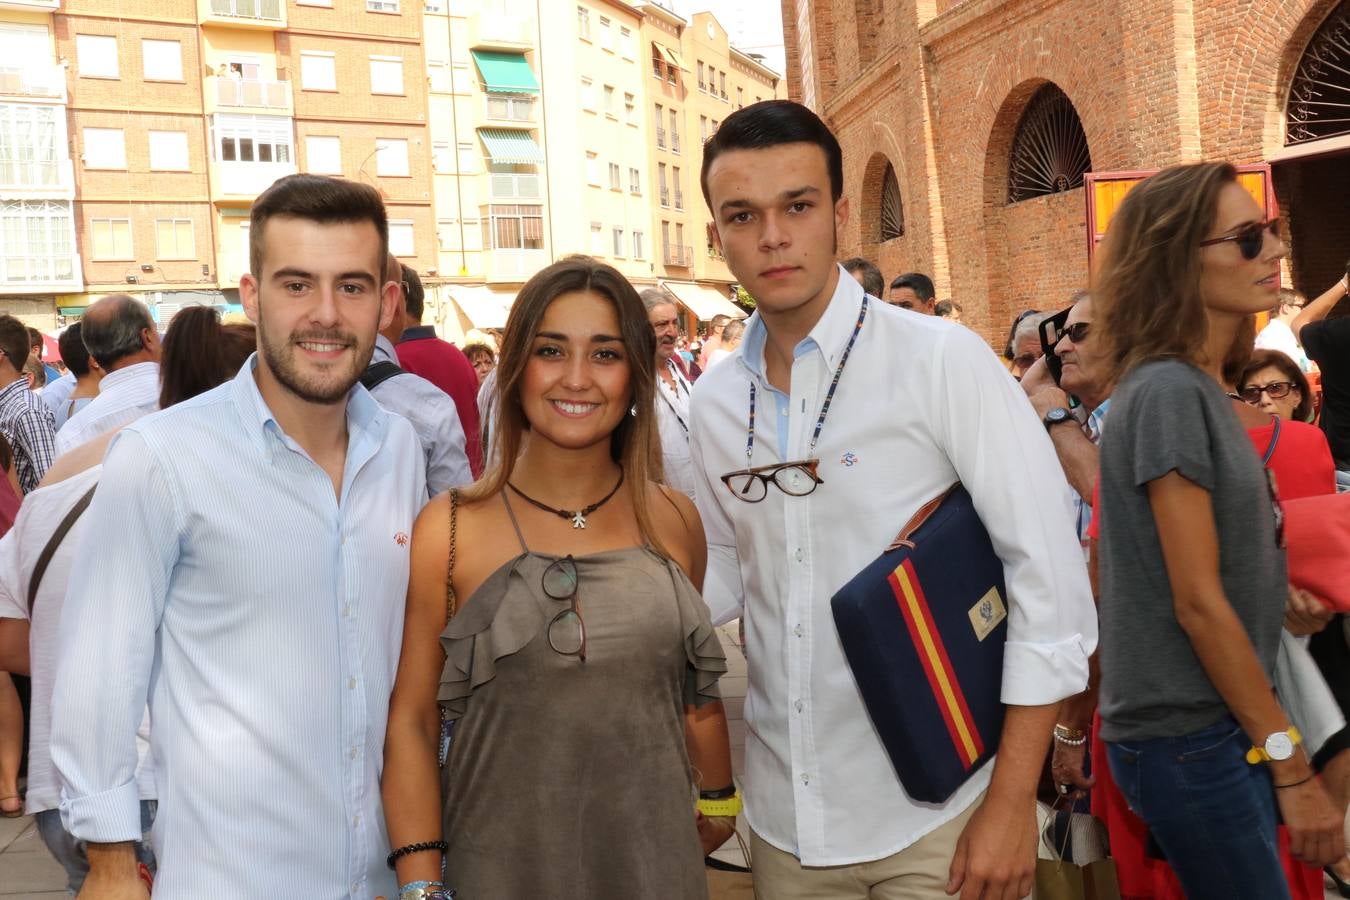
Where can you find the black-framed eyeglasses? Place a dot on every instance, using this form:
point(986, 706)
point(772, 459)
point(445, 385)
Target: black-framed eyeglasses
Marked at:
point(1077, 332)
point(796, 479)
point(1276, 390)
point(566, 630)
point(1250, 238)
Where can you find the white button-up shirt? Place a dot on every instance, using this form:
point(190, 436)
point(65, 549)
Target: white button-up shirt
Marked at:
point(123, 396)
point(262, 616)
point(672, 419)
point(922, 403)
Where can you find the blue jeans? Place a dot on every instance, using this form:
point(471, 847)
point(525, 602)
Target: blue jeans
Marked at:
point(69, 850)
point(1212, 812)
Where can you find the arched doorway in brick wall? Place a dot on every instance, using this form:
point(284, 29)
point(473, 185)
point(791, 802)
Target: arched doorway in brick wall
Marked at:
point(1035, 219)
point(882, 217)
point(1312, 172)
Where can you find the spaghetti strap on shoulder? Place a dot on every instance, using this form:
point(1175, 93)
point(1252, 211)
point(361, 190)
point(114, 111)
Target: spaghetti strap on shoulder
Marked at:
point(514, 524)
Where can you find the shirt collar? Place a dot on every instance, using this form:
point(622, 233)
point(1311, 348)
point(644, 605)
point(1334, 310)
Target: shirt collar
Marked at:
point(384, 350)
point(365, 417)
point(417, 333)
point(128, 374)
point(830, 334)
point(13, 389)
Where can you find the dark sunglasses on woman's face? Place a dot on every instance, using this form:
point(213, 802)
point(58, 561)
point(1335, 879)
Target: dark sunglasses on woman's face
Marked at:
point(1276, 390)
point(1249, 238)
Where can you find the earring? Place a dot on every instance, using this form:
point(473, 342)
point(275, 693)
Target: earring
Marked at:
point(632, 410)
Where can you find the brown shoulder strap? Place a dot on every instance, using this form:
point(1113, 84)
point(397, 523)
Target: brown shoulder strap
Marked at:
point(59, 535)
point(917, 520)
point(450, 567)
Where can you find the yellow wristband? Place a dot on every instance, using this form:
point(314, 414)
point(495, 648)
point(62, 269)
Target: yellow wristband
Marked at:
point(731, 806)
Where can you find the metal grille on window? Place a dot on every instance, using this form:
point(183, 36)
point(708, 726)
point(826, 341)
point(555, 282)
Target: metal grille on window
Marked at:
point(892, 209)
point(1319, 100)
point(1050, 151)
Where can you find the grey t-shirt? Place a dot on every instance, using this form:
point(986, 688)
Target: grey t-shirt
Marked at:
point(1169, 416)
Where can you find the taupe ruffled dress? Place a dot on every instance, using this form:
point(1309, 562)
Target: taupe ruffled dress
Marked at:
point(569, 779)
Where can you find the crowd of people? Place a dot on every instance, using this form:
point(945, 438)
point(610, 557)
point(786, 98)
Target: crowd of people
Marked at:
point(322, 605)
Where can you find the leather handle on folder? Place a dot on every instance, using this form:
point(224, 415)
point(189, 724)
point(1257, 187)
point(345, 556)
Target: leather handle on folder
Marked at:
point(916, 521)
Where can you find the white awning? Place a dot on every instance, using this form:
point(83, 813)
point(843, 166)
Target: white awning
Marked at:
point(482, 306)
point(703, 302)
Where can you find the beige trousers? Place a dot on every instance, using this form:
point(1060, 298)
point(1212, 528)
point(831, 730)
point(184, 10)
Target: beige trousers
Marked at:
point(918, 872)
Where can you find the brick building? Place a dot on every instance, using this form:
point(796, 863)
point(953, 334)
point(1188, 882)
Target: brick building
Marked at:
point(967, 126)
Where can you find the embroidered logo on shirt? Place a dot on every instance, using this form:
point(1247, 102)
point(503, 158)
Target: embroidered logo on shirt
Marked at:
point(848, 460)
point(401, 539)
point(986, 614)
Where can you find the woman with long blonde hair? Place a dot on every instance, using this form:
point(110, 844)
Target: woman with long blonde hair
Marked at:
point(1193, 578)
point(575, 679)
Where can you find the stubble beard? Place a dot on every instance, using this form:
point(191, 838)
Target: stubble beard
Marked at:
point(333, 389)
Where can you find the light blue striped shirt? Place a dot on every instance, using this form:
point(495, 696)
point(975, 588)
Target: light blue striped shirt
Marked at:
point(222, 579)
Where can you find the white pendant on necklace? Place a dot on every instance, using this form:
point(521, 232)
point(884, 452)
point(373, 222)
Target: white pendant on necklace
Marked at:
point(578, 519)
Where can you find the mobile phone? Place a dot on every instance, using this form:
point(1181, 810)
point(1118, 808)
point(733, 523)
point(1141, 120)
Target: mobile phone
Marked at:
point(1052, 329)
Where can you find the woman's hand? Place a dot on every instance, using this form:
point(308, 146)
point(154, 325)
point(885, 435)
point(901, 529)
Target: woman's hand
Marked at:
point(1316, 829)
point(1066, 767)
point(1304, 613)
point(714, 831)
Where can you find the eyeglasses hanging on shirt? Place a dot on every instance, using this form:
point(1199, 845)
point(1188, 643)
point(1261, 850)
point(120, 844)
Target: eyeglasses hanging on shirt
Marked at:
point(797, 478)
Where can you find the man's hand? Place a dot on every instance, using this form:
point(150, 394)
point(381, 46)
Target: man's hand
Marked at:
point(114, 874)
point(1066, 767)
point(1047, 399)
point(1304, 613)
point(996, 854)
point(1316, 828)
point(1037, 378)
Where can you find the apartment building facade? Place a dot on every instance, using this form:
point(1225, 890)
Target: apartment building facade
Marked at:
point(39, 260)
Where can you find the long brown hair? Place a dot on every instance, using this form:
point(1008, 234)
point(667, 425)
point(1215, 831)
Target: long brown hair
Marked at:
point(199, 353)
point(634, 445)
point(1147, 286)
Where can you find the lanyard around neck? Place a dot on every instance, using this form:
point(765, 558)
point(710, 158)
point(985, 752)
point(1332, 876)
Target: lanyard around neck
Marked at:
point(829, 395)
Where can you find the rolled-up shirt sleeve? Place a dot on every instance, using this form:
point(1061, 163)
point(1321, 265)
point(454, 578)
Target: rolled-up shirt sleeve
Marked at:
point(106, 642)
point(1006, 461)
point(723, 589)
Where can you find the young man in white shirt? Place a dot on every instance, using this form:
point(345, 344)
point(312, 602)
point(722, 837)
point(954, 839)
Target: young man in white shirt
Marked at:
point(829, 816)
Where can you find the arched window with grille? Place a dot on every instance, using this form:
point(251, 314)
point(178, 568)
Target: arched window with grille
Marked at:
point(892, 209)
point(1049, 150)
point(1319, 97)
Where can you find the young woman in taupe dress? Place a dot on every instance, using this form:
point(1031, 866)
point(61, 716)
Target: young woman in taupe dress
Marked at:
point(578, 671)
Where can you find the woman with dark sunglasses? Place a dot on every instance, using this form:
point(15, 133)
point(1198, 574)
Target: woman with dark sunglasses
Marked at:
point(1195, 737)
point(572, 693)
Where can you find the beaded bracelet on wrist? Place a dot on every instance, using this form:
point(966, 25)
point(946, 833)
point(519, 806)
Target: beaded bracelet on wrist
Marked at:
point(419, 847)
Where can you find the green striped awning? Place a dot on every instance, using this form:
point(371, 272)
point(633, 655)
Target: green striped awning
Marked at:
point(506, 146)
point(505, 73)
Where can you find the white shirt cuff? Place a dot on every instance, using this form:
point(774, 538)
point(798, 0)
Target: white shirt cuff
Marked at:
point(1038, 674)
point(107, 818)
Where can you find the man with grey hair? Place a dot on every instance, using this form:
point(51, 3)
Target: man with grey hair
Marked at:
point(672, 393)
point(121, 337)
point(1026, 343)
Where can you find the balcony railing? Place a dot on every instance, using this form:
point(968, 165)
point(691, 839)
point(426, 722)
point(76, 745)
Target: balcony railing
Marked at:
point(17, 269)
point(46, 80)
point(522, 186)
point(501, 30)
point(508, 108)
point(660, 137)
point(45, 177)
point(515, 263)
point(665, 196)
point(675, 141)
point(679, 255)
point(257, 93)
point(249, 179)
point(269, 10)
point(679, 199)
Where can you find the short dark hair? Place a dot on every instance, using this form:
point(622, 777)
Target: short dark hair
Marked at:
point(1261, 359)
point(771, 123)
point(919, 283)
point(478, 348)
point(14, 341)
point(113, 326)
point(946, 307)
point(414, 295)
point(200, 353)
point(73, 352)
point(1288, 297)
point(315, 198)
point(35, 339)
point(872, 281)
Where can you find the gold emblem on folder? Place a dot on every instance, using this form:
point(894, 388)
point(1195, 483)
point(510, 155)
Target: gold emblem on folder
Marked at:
point(985, 615)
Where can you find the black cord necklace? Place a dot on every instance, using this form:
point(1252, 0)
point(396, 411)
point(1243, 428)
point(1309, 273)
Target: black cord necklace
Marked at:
point(578, 516)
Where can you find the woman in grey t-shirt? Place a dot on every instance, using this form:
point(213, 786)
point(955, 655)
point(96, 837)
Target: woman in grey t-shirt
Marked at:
point(1193, 580)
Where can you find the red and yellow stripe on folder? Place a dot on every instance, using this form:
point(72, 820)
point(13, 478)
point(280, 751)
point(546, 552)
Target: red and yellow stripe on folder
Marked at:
point(936, 664)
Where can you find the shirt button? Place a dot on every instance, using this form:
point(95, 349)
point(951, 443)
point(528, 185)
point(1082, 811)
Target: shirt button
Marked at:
point(351, 683)
point(799, 706)
point(346, 610)
point(799, 630)
point(806, 779)
point(355, 753)
point(356, 821)
point(799, 555)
